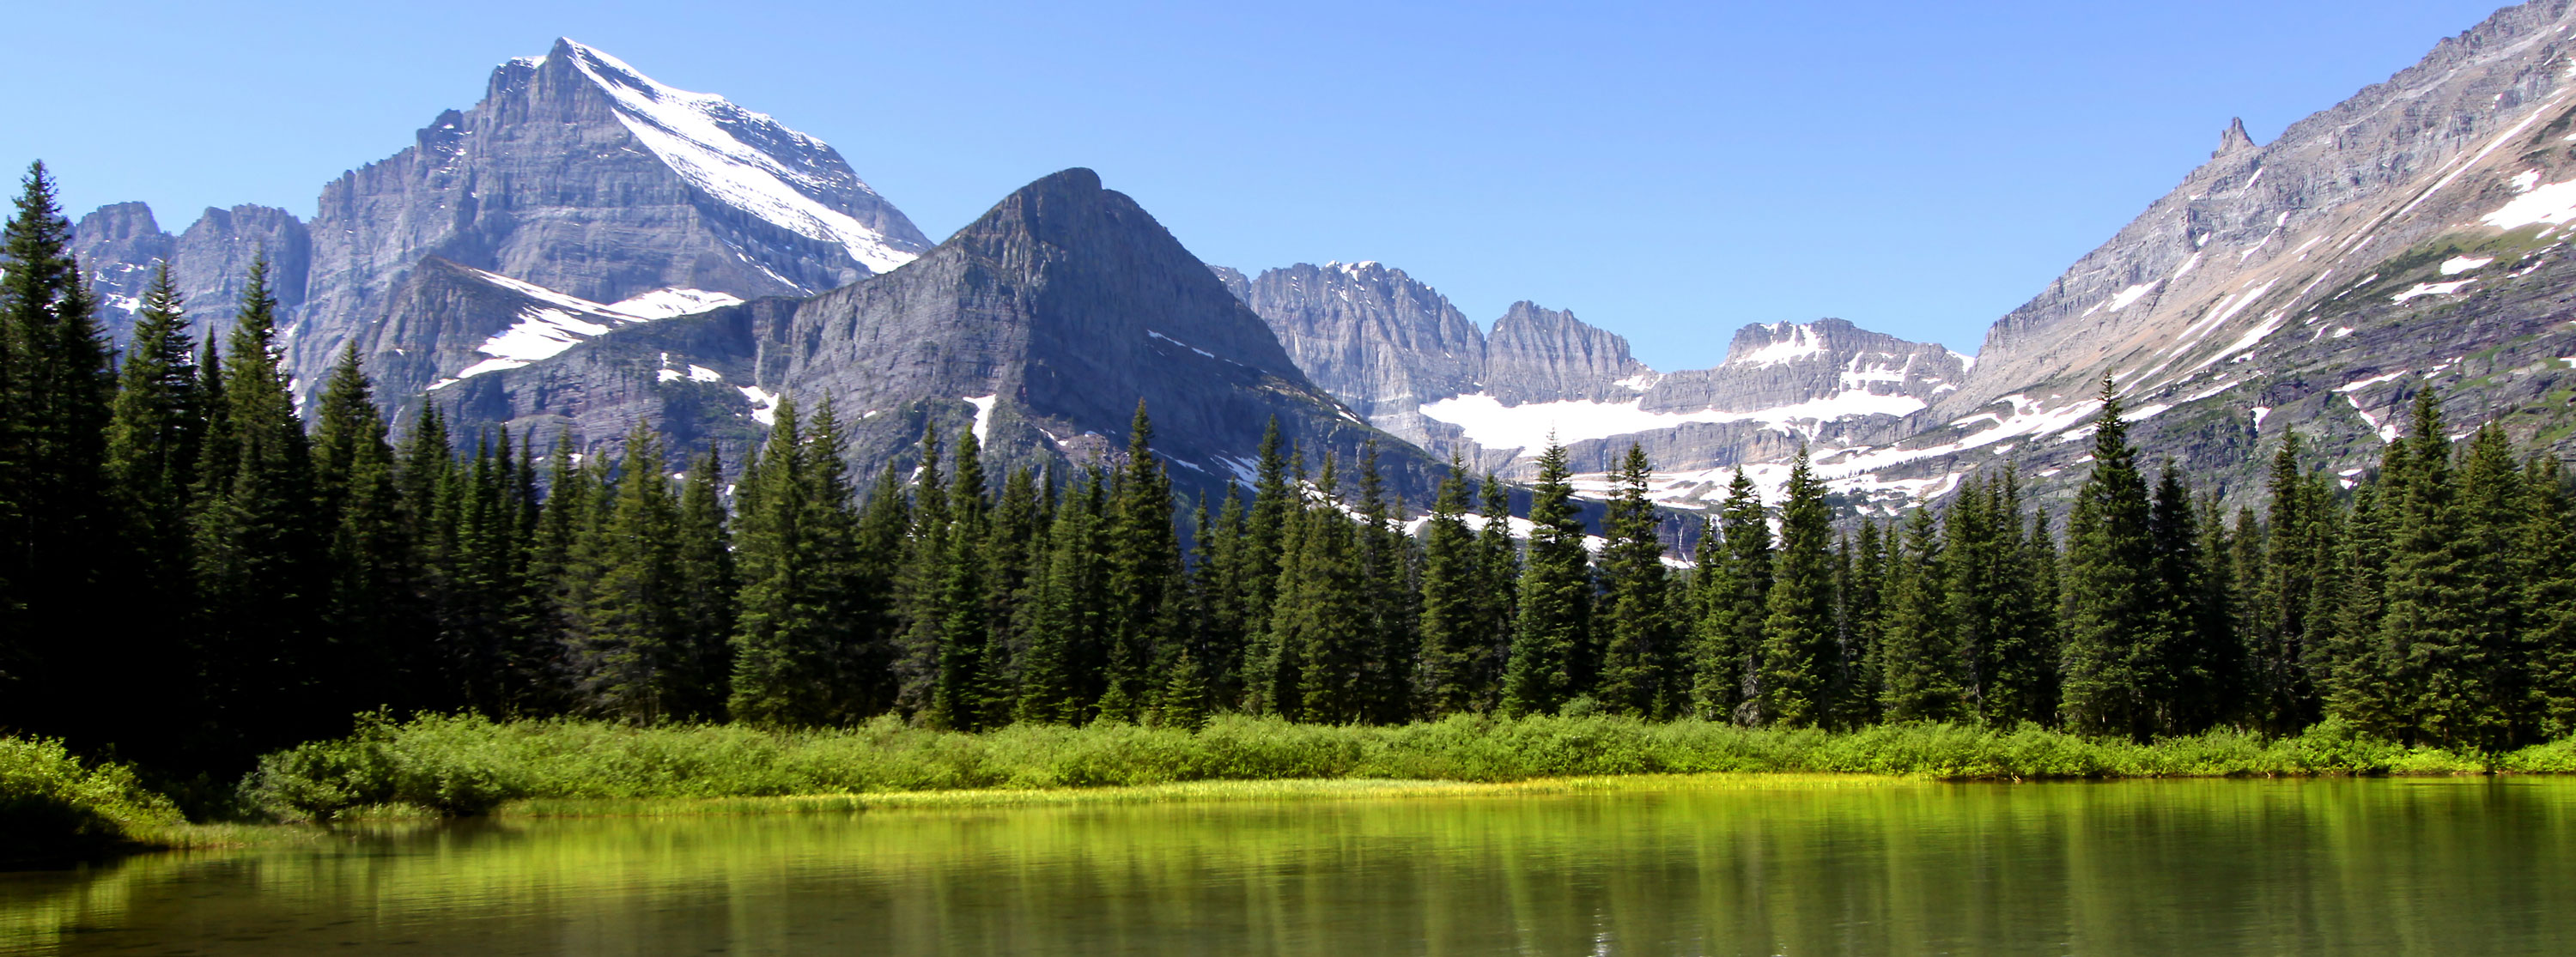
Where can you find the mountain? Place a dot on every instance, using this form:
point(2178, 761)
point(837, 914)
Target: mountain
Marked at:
point(1396, 350)
point(2411, 237)
point(1039, 325)
point(576, 174)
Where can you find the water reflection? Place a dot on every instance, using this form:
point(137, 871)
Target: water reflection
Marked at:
point(2118, 868)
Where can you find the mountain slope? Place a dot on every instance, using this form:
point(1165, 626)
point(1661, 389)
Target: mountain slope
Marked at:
point(575, 173)
point(1040, 325)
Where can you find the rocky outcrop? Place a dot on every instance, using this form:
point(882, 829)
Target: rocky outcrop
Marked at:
point(1373, 336)
point(1040, 325)
point(576, 173)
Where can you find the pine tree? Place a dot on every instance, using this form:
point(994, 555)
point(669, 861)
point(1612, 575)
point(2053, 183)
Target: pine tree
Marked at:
point(2280, 638)
point(1640, 663)
point(1499, 570)
point(373, 609)
point(1144, 573)
point(1734, 605)
point(2016, 665)
point(1059, 677)
point(629, 639)
point(2185, 685)
point(1453, 620)
point(1389, 598)
point(154, 429)
point(922, 574)
point(2428, 631)
point(1865, 612)
point(260, 547)
point(967, 691)
point(2118, 621)
point(1800, 654)
point(1921, 668)
point(2354, 667)
point(2546, 561)
point(1555, 597)
point(55, 513)
point(708, 585)
point(2488, 684)
point(1320, 618)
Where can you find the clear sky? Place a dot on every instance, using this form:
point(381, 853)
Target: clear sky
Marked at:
point(1667, 171)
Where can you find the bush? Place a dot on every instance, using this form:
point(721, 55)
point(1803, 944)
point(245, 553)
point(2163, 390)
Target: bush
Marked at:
point(54, 806)
point(469, 765)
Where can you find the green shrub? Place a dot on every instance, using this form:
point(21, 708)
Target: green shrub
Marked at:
point(53, 805)
point(468, 765)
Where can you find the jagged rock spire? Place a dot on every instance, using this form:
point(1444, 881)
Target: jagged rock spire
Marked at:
point(2234, 139)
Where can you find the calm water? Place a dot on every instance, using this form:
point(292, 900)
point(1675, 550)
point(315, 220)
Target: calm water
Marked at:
point(2444, 866)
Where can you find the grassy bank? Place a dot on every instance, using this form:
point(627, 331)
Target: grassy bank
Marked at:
point(465, 765)
point(54, 806)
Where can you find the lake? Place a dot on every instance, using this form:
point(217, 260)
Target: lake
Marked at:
point(1795, 867)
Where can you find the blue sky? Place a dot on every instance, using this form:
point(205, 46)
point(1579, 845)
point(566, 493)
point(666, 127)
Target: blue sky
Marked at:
point(1667, 171)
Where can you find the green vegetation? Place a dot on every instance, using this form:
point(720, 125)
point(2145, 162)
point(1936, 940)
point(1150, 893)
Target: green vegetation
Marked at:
point(468, 765)
point(56, 806)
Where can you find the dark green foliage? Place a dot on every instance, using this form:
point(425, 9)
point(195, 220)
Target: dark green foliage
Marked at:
point(1641, 658)
point(1921, 669)
point(1734, 587)
point(1801, 661)
point(1555, 598)
point(1455, 646)
point(2119, 618)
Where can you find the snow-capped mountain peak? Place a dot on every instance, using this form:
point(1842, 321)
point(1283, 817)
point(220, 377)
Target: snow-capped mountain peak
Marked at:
point(745, 159)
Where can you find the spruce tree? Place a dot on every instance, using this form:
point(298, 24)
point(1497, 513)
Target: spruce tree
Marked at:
point(2118, 618)
point(2546, 562)
point(154, 428)
point(2485, 692)
point(2280, 639)
point(1320, 618)
point(1059, 677)
point(1801, 655)
point(1733, 607)
point(55, 510)
point(1555, 597)
point(2185, 685)
point(1500, 570)
point(1389, 597)
point(2354, 668)
point(1865, 611)
point(1144, 573)
point(374, 609)
point(967, 689)
point(1453, 619)
point(1921, 668)
point(708, 585)
point(629, 637)
point(1641, 663)
point(2428, 631)
point(922, 573)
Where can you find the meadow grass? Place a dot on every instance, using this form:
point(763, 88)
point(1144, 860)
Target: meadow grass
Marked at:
point(462, 765)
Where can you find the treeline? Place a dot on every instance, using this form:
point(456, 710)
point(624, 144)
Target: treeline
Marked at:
point(195, 576)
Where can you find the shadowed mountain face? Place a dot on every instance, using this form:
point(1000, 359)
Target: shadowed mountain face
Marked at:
point(1040, 325)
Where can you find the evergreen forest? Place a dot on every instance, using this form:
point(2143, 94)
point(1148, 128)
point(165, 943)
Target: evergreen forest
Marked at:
point(197, 572)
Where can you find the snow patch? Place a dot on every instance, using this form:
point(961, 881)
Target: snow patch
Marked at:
point(2525, 180)
point(1490, 423)
point(696, 373)
point(2460, 264)
point(2554, 204)
point(2127, 297)
point(695, 133)
point(666, 303)
point(984, 414)
point(764, 404)
point(2431, 289)
point(1801, 343)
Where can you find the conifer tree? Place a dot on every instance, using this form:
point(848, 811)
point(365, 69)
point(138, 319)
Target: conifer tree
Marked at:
point(1059, 677)
point(2546, 561)
point(1013, 551)
point(1453, 646)
point(923, 572)
point(55, 519)
point(1921, 668)
point(2428, 630)
point(2118, 619)
point(1640, 664)
point(2485, 692)
point(1555, 597)
point(2280, 638)
point(1320, 618)
point(629, 639)
point(259, 546)
point(1389, 598)
point(2355, 669)
point(1144, 572)
point(154, 428)
point(2183, 686)
point(707, 589)
point(373, 610)
point(1735, 604)
point(1801, 655)
point(1499, 570)
point(1865, 603)
point(967, 690)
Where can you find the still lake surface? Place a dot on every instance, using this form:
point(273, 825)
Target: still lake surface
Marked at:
point(2139, 867)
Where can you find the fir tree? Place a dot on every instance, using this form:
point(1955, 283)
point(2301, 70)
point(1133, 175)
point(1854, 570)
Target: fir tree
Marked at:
point(1320, 618)
point(1499, 570)
point(1555, 597)
point(1800, 652)
point(153, 432)
point(374, 607)
point(708, 584)
point(1734, 604)
point(628, 636)
point(2429, 632)
point(1144, 572)
point(1640, 661)
point(1058, 678)
point(1453, 619)
point(1921, 668)
point(2118, 618)
point(2280, 638)
point(967, 690)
